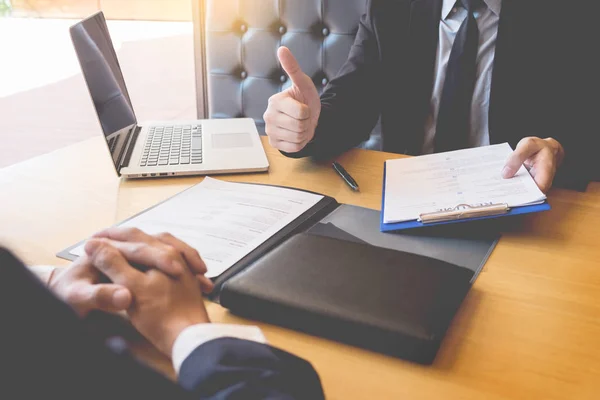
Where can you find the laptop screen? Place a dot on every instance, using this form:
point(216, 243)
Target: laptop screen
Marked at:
point(105, 82)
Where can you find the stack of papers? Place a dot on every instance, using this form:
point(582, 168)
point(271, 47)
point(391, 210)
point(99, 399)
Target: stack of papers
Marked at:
point(441, 182)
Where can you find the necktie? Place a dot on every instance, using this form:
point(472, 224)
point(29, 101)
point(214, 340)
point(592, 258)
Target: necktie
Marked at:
point(453, 122)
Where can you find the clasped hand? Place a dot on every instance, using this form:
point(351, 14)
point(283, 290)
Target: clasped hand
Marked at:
point(160, 301)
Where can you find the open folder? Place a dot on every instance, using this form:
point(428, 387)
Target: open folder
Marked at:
point(456, 186)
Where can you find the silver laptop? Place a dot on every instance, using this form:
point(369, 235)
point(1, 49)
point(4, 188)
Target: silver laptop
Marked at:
point(157, 148)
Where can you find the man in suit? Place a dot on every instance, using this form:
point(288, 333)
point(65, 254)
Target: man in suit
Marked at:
point(451, 74)
point(46, 351)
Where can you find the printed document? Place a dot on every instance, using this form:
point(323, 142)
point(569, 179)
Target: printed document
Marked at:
point(224, 221)
point(441, 182)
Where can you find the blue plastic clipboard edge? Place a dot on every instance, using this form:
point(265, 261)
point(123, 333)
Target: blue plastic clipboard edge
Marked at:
point(416, 224)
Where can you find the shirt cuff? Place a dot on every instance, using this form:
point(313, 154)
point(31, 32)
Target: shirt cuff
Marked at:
point(43, 272)
point(196, 335)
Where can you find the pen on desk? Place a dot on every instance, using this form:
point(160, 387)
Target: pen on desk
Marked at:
point(345, 176)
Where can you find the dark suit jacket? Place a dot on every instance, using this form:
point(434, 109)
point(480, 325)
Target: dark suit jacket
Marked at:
point(46, 352)
point(543, 83)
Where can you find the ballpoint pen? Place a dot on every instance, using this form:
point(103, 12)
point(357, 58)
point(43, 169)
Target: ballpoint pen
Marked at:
point(345, 176)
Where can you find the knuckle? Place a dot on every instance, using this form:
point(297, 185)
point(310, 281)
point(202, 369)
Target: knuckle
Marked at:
point(164, 236)
point(297, 125)
point(275, 99)
point(155, 277)
point(196, 253)
point(303, 125)
point(304, 112)
point(170, 253)
point(106, 254)
point(272, 132)
point(129, 231)
point(137, 249)
point(528, 141)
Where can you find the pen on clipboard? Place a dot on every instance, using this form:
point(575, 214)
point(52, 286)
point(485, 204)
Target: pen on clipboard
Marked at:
point(345, 176)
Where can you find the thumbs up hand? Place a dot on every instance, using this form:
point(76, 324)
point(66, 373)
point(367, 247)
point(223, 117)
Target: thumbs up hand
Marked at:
point(292, 115)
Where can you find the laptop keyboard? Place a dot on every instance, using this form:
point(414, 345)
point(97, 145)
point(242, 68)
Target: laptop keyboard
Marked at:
point(173, 145)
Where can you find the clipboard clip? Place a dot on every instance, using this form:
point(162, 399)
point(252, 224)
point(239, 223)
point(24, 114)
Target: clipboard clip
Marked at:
point(464, 211)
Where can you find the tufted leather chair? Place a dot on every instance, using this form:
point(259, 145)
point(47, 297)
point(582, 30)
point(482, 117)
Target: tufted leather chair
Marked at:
point(239, 70)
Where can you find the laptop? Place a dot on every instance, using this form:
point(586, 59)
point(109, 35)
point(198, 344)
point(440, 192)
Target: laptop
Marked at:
point(158, 148)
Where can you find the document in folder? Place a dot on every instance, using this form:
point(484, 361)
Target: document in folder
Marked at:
point(455, 185)
point(224, 221)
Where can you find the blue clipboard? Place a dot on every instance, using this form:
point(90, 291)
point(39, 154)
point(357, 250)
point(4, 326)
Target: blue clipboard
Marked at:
point(391, 227)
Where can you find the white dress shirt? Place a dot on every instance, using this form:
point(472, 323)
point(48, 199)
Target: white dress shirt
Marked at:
point(191, 337)
point(453, 15)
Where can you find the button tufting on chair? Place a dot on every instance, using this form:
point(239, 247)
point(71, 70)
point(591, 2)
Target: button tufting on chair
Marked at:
point(243, 75)
point(282, 30)
point(325, 32)
point(283, 78)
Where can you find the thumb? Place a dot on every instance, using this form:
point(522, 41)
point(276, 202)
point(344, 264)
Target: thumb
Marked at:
point(292, 68)
point(103, 297)
point(525, 149)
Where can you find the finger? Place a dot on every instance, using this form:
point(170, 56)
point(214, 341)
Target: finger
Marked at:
point(284, 135)
point(191, 255)
point(130, 234)
point(289, 64)
point(206, 284)
point(526, 148)
point(543, 170)
point(282, 120)
point(292, 108)
point(108, 260)
point(292, 68)
point(543, 179)
point(287, 146)
point(160, 256)
point(86, 296)
point(110, 297)
point(125, 234)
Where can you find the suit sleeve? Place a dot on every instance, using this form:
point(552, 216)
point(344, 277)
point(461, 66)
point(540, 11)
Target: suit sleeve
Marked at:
point(47, 348)
point(233, 368)
point(351, 103)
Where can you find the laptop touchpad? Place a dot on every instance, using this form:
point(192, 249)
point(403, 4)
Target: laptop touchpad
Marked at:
point(231, 140)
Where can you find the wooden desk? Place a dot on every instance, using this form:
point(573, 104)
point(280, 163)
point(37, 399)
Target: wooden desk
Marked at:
point(529, 329)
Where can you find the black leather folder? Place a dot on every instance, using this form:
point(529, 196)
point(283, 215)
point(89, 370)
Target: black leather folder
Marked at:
point(385, 300)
